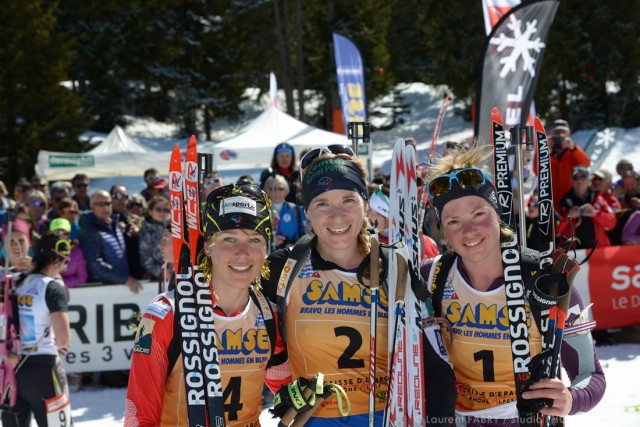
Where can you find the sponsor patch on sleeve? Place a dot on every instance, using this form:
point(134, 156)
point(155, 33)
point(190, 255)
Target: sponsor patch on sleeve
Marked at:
point(159, 308)
point(142, 344)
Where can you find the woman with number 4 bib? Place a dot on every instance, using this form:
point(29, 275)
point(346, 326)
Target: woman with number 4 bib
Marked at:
point(45, 335)
point(326, 306)
point(470, 293)
point(237, 231)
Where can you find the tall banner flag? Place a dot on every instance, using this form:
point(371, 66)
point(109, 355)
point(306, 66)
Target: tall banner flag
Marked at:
point(512, 60)
point(493, 10)
point(350, 80)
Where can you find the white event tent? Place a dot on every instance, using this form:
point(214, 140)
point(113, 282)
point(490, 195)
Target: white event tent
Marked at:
point(117, 155)
point(253, 146)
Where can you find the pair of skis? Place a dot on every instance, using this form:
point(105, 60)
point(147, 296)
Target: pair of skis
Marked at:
point(405, 400)
point(549, 295)
point(193, 300)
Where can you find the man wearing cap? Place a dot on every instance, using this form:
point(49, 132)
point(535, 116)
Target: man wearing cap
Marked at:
point(566, 155)
point(601, 181)
point(584, 210)
point(103, 244)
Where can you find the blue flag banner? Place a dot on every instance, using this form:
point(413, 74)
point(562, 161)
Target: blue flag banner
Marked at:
point(350, 80)
point(512, 61)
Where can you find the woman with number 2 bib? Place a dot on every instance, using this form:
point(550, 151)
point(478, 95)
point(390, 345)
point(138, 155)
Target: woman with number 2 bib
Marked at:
point(237, 230)
point(328, 302)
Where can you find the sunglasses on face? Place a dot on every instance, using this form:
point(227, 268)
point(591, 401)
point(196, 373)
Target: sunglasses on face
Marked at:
point(102, 204)
point(81, 185)
point(135, 205)
point(163, 210)
point(36, 203)
point(467, 178)
point(119, 196)
point(579, 177)
point(332, 149)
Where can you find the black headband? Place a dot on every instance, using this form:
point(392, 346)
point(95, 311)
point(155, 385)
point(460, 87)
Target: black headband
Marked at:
point(486, 191)
point(329, 174)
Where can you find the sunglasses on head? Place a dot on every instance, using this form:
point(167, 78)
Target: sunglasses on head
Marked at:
point(467, 178)
point(118, 196)
point(308, 158)
point(63, 248)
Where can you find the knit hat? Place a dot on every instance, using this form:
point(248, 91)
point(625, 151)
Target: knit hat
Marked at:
point(17, 225)
point(233, 206)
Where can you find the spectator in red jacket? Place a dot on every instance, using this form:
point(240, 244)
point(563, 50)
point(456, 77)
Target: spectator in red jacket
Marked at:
point(566, 155)
point(584, 210)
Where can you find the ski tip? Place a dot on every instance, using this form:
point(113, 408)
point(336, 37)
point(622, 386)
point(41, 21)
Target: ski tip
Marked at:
point(495, 115)
point(192, 141)
point(175, 151)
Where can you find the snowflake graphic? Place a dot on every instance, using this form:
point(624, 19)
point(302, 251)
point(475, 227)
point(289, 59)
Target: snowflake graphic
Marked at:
point(520, 44)
point(605, 137)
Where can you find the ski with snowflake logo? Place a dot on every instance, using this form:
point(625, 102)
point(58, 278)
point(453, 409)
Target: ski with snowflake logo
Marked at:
point(194, 306)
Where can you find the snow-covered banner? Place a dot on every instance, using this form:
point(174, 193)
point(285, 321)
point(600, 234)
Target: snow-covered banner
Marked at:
point(350, 80)
point(600, 145)
point(512, 60)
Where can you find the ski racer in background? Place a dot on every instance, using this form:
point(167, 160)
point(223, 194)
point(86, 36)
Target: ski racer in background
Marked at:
point(326, 306)
point(235, 248)
point(44, 335)
point(477, 341)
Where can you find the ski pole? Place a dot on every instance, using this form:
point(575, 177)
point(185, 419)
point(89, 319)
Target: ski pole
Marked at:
point(374, 284)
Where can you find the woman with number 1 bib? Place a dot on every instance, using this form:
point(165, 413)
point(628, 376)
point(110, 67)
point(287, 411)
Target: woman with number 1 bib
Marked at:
point(478, 320)
point(326, 314)
point(237, 232)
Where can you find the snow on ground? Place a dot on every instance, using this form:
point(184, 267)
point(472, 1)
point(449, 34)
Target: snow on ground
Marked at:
point(620, 407)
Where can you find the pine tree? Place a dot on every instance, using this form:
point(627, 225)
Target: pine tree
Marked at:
point(37, 109)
